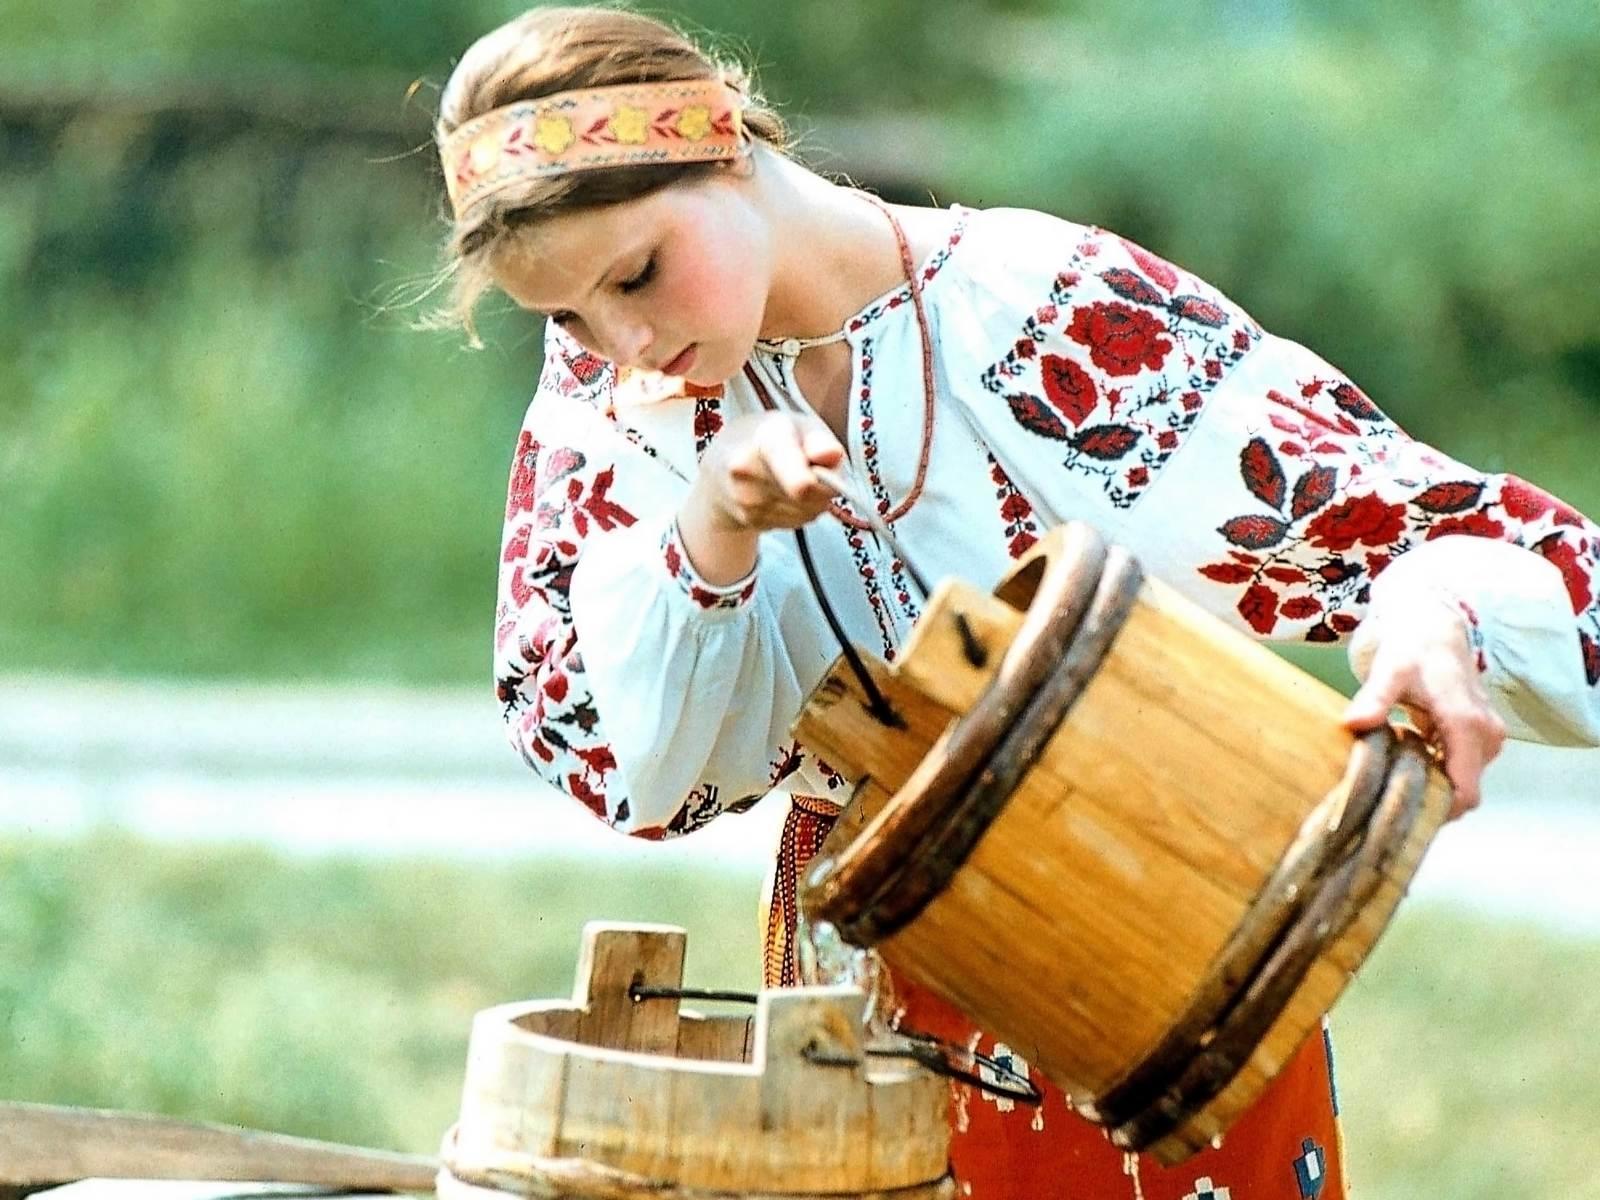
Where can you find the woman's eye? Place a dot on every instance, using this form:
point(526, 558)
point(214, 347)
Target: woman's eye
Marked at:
point(644, 276)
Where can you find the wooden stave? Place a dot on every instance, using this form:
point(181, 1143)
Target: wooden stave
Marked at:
point(1297, 881)
point(542, 1178)
point(877, 871)
point(1324, 983)
point(1266, 994)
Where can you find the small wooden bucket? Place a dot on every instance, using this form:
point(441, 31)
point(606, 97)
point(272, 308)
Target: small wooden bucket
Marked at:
point(621, 1095)
point(1128, 841)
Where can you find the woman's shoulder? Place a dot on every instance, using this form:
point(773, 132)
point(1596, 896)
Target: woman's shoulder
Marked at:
point(1009, 254)
point(1021, 236)
point(1015, 257)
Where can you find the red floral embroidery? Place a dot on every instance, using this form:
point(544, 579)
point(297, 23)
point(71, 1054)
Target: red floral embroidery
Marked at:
point(587, 368)
point(1525, 502)
point(707, 421)
point(1569, 560)
point(709, 598)
point(1122, 340)
point(1259, 607)
point(1068, 387)
point(1478, 524)
point(517, 545)
point(1474, 636)
point(557, 498)
point(1590, 649)
point(866, 428)
point(519, 497)
point(1158, 269)
point(868, 574)
point(831, 777)
point(1122, 411)
point(1364, 519)
point(1016, 512)
point(1330, 530)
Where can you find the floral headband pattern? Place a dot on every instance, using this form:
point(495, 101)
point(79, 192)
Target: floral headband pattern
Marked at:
point(699, 120)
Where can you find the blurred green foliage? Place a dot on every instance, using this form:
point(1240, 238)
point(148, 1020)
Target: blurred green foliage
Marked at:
point(1408, 190)
point(330, 998)
point(223, 450)
point(333, 998)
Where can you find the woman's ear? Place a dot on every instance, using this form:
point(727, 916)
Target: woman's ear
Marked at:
point(743, 167)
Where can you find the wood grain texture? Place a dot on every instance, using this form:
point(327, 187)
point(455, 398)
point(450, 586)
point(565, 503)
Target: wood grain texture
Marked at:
point(41, 1143)
point(786, 1103)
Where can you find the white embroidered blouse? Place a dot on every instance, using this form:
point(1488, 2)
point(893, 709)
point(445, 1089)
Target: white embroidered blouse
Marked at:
point(1077, 376)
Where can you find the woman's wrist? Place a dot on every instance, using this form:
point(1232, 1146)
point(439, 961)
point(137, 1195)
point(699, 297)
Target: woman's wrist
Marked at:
point(720, 551)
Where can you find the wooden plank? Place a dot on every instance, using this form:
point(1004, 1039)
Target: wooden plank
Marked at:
point(43, 1143)
point(191, 1189)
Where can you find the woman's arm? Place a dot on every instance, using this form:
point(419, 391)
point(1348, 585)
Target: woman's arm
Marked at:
point(656, 697)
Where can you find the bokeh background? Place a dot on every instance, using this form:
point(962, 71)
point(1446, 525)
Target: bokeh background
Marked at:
point(237, 487)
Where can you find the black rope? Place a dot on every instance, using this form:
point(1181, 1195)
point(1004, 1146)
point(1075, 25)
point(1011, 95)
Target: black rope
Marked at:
point(917, 578)
point(877, 704)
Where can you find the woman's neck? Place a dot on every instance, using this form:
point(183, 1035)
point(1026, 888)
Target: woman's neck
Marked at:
point(833, 251)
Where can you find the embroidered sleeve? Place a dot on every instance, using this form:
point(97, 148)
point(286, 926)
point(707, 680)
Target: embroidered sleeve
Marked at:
point(600, 614)
point(1333, 517)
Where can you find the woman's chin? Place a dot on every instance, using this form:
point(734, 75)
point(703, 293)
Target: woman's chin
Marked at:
point(708, 371)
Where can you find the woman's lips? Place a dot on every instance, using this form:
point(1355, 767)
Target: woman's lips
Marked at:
point(681, 364)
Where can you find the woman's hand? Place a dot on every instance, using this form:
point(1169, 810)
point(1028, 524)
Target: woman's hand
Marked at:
point(1424, 662)
point(757, 475)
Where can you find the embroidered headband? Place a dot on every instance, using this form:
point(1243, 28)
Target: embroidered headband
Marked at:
point(695, 120)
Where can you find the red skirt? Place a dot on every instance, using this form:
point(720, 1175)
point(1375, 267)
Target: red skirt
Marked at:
point(1287, 1147)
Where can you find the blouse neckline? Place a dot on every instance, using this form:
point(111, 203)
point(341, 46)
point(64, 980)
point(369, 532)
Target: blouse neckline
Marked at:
point(879, 307)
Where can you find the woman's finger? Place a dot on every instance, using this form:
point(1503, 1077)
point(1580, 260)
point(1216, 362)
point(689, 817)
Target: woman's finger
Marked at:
point(785, 453)
point(1375, 699)
point(1471, 739)
point(821, 447)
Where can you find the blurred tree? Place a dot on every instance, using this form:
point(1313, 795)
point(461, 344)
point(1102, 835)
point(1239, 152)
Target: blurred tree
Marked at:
point(221, 452)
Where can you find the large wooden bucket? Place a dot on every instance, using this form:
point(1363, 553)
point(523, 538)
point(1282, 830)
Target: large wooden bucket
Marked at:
point(1128, 841)
point(621, 1094)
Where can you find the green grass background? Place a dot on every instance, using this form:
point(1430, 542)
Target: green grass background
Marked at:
point(332, 998)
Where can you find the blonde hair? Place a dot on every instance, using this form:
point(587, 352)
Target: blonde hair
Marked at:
point(558, 49)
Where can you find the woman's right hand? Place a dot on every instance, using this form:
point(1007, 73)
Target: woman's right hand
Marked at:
point(756, 476)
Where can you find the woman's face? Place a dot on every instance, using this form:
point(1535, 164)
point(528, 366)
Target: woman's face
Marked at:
point(676, 282)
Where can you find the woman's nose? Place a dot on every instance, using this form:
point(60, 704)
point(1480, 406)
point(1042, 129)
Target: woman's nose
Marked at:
point(630, 342)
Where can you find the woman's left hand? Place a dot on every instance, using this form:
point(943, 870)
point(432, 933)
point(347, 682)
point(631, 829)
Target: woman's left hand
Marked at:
point(1424, 663)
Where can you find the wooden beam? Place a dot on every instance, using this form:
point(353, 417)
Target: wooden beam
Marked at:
point(42, 1144)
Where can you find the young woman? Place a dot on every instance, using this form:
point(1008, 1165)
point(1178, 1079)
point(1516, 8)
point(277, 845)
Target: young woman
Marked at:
point(722, 322)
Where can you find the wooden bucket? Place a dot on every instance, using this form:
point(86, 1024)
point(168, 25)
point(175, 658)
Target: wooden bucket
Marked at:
point(619, 1097)
point(1128, 841)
